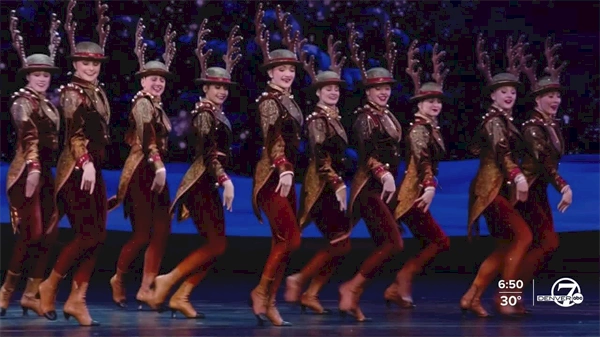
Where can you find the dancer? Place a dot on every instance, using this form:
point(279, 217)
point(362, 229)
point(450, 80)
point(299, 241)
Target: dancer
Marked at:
point(273, 184)
point(80, 191)
point(29, 181)
point(324, 193)
point(198, 195)
point(499, 182)
point(545, 144)
point(143, 185)
point(425, 147)
point(378, 134)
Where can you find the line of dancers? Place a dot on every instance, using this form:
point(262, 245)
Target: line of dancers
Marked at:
point(509, 190)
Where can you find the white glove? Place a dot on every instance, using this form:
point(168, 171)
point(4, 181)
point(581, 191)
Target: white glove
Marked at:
point(522, 188)
point(33, 180)
point(340, 195)
point(228, 195)
point(426, 199)
point(286, 180)
point(389, 187)
point(160, 180)
point(88, 178)
point(566, 200)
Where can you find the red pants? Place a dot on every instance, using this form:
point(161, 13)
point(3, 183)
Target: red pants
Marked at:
point(331, 222)
point(281, 213)
point(424, 228)
point(506, 224)
point(150, 221)
point(206, 210)
point(381, 225)
point(87, 216)
point(33, 243)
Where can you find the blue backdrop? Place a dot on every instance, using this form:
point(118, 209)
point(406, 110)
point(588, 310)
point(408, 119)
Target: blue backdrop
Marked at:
point(449, 206)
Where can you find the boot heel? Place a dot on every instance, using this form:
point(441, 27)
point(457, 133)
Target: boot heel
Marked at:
point(25, 310)
point(50, 315)
point(388, 303)
point(2, 312)
point(173, 313)
point(303, 309)
point(140, 304)
point(67, 316)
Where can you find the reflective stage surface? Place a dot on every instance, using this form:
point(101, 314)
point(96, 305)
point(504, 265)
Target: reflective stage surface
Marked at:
point(223, 300)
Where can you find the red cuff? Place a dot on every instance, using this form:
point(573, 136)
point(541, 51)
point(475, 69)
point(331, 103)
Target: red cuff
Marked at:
point(34, 166)
point(282, 164)
point(380, 171)
point(336, 180)
point(514, 173)
point(83, 160)
point(222, 178)
point(429, 183)
point(280, 161)
point(154, 158)
point(561, 183)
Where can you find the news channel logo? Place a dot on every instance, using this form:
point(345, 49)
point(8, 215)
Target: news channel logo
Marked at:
point(561, 296)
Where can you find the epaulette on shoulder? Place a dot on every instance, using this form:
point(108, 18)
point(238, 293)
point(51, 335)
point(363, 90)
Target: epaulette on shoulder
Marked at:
point(204, 105)
point(71, 86)
point(266, 95)
point(142, 94)
point(533, 122)
point(23, 93)
point(28, 95)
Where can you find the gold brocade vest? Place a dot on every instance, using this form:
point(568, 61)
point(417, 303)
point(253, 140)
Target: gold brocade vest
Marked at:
point(148, 134)
point(213, 137)
point(37, 122)
point(425, 149)
point(328, 142)
point(378, 135)
point(282, 128)
point(498, 144)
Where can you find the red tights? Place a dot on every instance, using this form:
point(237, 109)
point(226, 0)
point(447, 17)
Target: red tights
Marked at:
point(538, 214)
point(33, 241)
point(87, 216)
point(281, 213)
point(381, 225)
point(150, 222)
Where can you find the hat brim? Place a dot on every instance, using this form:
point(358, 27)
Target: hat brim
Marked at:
point(25, 71)
point(320, 84)
point(276, 63)
point(87, 58)
point(154, 72)
point(426, 96)
point(490, 88)
point(201, 81)
point(545, 90)
point(367, 85)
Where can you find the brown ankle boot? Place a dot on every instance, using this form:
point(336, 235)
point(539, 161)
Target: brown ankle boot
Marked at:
point(118, 290)
point(76, 306)
point(10, 283)
point(293, 287)
point(471, 301)
point(273, 314)
point(310, 298)
point(311, 302)
point(162, 287)
point(48, 290)
point(145, 294)
point(259, 300)
point(180, 302)
point(29, 300)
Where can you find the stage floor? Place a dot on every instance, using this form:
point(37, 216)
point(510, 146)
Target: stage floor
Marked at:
point(227, 314)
